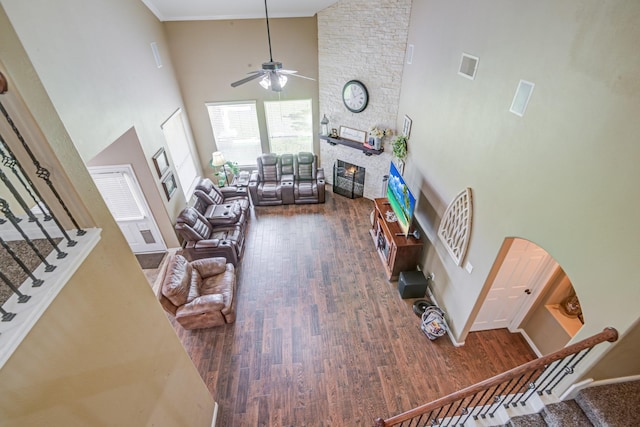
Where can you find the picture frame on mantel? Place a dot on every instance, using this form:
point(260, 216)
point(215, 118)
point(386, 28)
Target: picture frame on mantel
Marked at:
point(161, 162)
point(353, 134)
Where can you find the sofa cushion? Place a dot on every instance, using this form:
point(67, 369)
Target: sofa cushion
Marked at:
point(270, 191)
point(177, 280)
point(223, 284)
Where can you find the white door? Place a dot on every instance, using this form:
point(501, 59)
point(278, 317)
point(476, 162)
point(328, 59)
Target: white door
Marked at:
point(122, 194)
point(515, 287)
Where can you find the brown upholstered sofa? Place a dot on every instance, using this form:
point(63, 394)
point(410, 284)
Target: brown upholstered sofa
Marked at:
point(200, 294)
point(287, 179)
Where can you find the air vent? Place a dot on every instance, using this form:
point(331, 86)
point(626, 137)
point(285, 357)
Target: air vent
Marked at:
point(521, 98)
point(468, 66)
point(410, 54)
point(156, 54)
point(147, 236)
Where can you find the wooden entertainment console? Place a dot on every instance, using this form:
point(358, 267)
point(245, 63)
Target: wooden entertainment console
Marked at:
point(397, 252)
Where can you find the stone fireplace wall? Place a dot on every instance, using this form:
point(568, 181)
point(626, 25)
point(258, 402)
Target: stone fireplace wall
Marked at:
point(366, 41)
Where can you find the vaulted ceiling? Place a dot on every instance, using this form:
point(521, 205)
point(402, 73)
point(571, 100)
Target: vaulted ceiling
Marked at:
point(188, 10)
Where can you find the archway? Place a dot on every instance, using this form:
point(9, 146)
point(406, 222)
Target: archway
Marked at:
point(527, 291)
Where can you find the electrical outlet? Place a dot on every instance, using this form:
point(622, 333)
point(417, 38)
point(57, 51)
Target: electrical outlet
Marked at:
point(431, 276)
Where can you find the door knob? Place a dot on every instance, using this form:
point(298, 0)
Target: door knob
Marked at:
point(527, 291)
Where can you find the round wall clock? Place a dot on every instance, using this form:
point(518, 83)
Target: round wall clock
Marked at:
point(355, 96)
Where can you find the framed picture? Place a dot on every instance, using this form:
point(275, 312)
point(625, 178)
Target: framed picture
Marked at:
point(161, 162)
point(169, 185)
point(406, 126)
point(353, 134)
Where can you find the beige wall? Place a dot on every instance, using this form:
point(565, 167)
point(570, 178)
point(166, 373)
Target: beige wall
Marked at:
point(563, 176)
point(209, 55)
point(103, 353)
point(95, 61)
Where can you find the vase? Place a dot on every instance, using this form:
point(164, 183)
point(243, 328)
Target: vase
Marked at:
point(377, 143)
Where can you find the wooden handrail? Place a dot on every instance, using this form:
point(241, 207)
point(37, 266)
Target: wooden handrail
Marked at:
point(608, 334)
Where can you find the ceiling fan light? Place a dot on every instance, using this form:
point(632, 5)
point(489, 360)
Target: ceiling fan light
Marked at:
point(274, 81)
point(265, 82)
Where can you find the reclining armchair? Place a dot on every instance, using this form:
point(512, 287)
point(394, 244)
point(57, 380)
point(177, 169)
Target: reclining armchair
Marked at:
point(200, 294)
point(264, 184)
point(202, 240)
point(208, 195)
point(309, 179)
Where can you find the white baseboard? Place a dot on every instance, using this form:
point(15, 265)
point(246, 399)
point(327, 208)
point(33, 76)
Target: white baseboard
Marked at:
point(455, 342)
point(573, 391)
point(530, 342)
point(215, 414)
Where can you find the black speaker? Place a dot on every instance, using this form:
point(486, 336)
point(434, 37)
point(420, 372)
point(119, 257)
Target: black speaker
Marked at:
point(412, 284)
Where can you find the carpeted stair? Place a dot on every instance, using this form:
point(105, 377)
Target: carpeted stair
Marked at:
point(612, 405)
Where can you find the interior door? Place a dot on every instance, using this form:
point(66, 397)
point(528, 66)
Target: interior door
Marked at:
point(125, 200)
point(515, 286)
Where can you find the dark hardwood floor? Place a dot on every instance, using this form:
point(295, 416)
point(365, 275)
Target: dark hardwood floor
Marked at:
point(321, 337)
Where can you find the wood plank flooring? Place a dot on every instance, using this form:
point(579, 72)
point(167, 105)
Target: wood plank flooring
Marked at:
point(321, 337)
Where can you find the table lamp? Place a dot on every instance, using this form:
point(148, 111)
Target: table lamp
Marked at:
point(217, 160)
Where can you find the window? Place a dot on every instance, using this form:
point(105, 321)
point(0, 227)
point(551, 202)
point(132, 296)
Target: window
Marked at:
point(236, 131)
point(179, 147)
point(289, 125)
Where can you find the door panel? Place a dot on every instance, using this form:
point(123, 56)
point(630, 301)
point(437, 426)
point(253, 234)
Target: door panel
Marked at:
point(513, 286)
point(125, 200)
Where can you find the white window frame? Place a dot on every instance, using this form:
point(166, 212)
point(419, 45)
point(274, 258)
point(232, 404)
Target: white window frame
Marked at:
point(269, 124)
point(179, 145)
point(228, 153)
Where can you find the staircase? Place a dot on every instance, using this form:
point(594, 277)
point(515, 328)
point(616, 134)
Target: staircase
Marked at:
point(612, 405)
point(509, 399)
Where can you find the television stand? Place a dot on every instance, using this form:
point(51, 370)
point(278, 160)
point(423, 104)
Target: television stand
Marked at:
point(397, 251)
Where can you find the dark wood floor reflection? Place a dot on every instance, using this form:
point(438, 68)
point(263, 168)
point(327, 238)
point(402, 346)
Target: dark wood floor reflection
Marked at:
point(321, 337)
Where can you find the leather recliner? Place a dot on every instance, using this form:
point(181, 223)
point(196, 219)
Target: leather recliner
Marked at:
point(203, 240)
point(208, 194)
point(264, 184)
point(200, 294)
point(309, 185)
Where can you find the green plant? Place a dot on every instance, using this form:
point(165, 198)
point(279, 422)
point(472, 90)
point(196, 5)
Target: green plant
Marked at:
point(399, 146)
point(222, 171)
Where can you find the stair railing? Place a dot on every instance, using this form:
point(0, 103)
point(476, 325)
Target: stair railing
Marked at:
point(19, 193)
point(511, 388)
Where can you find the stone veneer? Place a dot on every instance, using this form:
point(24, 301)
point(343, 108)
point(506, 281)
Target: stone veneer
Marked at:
point(366, 41)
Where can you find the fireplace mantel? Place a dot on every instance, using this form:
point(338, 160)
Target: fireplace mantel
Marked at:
point(352, 144)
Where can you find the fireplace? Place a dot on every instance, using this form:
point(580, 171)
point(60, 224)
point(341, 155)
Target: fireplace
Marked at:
point(348, 179)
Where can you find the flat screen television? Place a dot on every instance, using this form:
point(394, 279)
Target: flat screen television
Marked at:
point(400, 198)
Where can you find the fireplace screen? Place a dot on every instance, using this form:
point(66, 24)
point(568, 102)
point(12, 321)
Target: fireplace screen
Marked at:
point(348, 179)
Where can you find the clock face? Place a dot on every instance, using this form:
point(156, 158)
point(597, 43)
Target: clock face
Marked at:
point(355, 96)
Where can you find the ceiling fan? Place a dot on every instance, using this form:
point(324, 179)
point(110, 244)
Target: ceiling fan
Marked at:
point(274, 77)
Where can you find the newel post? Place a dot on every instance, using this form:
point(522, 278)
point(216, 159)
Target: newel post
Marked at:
point(379, 423)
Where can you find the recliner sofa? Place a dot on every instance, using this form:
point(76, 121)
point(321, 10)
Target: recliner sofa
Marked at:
point(203, 240)
point(287, 179)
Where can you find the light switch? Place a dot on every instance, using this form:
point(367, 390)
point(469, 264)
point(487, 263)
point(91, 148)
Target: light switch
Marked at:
point(468, 267)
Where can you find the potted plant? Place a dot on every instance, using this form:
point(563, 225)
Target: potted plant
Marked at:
point(399, 146)
point(223, 173)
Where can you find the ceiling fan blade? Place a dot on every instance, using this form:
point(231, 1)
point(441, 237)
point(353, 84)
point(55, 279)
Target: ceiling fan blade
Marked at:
point(302, 77)
point(253, 76)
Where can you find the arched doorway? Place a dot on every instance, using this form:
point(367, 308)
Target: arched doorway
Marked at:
point(526, 291)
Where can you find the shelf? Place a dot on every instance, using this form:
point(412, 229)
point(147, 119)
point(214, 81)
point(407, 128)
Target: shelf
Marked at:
point(571, 325)
point(352, 144)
